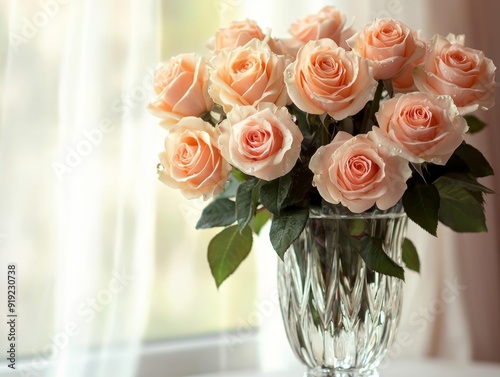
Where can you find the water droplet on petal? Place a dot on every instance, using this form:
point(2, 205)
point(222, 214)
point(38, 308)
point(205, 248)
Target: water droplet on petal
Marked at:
point(294, 118)
point(159, 168)
point(313, 184)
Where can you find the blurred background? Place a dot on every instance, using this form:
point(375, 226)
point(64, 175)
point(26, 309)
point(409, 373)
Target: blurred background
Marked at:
point(112, 277)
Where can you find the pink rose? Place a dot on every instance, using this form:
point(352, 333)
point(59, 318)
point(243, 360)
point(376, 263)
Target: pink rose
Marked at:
point(248, 75)
point(286, 46)
point(420, 127)
point(237, 34)
point(327, 78)
point(390, 45)
point(329, 23)
point(192, 161)
point(263, 142)
point(181, 86)
point(405, 83)
point(356, 172)
point(463, 73)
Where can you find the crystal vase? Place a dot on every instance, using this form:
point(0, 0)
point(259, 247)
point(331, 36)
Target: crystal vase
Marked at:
point(340, 316)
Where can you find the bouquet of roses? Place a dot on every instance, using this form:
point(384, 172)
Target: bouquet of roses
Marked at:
point(270, 128)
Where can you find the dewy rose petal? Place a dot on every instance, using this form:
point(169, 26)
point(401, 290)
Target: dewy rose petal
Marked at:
point(461, 72)
point(181, 86)
point(192, 161)
point(326, 78)
point(389, 44)
point(420, 127)
point(248, 75)
point(262, 142)
point(357, 173)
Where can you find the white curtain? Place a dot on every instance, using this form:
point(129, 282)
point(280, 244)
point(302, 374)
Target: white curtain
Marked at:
point(77, 163)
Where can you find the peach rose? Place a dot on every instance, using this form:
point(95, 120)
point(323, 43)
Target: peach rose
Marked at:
point(389, 44)
point(286, 46)
point(405, 83)
point(181, 86)
point(356, 172)
point(263, 142)
point(463, 73)
point(192, 161)
point(237, 34)
point(420, 127)
point(329, 22)
point(326, 78)
point(248, 75)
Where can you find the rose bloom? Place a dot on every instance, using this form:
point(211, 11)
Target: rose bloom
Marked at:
point(237, 34)
point(327, 23)
point(192, 161)
point(463, 73)
point(420, 127)
point(181, 86)
point(358, 173)
point(326, 78)
point(248, 75)
point(404, 83)
point(389, 44)
point(263, 142)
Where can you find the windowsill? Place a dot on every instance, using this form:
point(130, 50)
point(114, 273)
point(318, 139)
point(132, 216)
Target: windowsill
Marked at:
point(407, 368)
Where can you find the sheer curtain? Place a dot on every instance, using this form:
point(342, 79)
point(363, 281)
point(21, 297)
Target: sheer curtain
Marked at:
point(77, 164)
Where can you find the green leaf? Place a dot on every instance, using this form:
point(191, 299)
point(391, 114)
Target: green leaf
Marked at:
point(286, 228)
point(460, 209)
point(475, 124)
point(246, 202)
point(476, 162)
point(227, 250)
point(301, 184)
point(357, 227)
point(410, 255)
point(466, 181)
point(259, 220)
point(421, 203)
point(376, 259)
point(273, 193)
point(220, 212)
point(230, 188)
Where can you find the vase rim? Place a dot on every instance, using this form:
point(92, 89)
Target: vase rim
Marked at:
point(338, 211)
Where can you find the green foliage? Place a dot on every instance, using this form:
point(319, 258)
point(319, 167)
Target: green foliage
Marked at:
point(421, 203)
point(286, 228)
point(220, 212)
point(410, 255)
point(373, 254)
point(475, 124)
point(246, 202)
point(227, 250)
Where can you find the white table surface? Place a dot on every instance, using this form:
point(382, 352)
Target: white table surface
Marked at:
point(407, 368)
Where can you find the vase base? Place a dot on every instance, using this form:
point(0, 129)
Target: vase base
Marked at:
point(327, 372)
